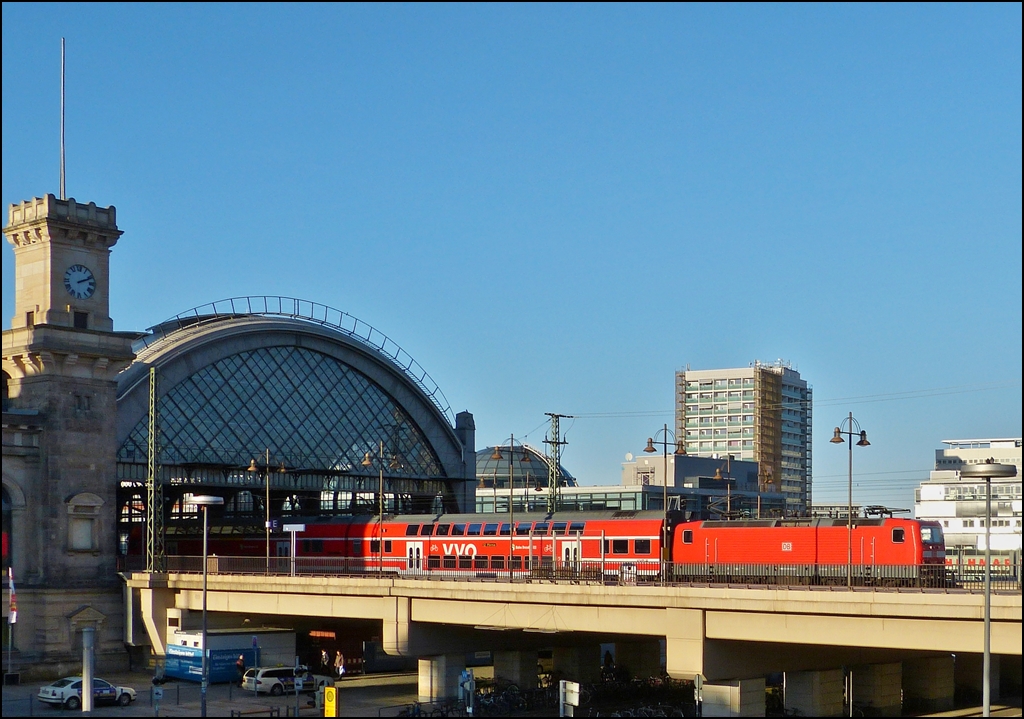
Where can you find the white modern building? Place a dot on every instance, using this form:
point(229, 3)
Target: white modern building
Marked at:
point(959, 503)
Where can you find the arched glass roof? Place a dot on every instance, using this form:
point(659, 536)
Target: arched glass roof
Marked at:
point(305, 311)
point(492, 472)
point(313, 412)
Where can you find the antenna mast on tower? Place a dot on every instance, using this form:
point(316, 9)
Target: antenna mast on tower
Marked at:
point(63, 191)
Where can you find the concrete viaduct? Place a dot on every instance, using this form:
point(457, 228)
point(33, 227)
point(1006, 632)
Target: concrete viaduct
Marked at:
point(902, 643)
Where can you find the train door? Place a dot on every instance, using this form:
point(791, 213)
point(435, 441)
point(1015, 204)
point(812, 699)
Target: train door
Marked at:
point(414, 555)
point(284, 549)
point(570, 553)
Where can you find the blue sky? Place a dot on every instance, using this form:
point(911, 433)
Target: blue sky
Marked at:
point(553, 208)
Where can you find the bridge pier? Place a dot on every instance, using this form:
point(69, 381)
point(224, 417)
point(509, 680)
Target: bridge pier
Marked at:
point(578, 663)
point(640, 658)
point(518, 667)
point(815, 693)
point(928, 684)
point(968, 674)
point(684, 643)
point(879, 687)
point(439, 676)
point(736, 698)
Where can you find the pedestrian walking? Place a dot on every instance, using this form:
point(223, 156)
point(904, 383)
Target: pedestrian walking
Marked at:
point(240, 666)
point(339, 664)
point(325, 659)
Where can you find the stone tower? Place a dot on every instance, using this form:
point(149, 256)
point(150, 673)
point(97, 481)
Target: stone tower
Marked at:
point(60, 360)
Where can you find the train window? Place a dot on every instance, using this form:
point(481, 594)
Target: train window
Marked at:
point(374, 546)
point(357, 548)
point(433, 562)
point(449, 562)
point(412, 530)
point(642, 546)
point(517, 563)
point(474, 530)
point(546, 562)
point(465, 562)
point(497, 562)
point(607, 546)
point(559, 527)
point(540, 528)
point(620, 546)
point(898, 535)
point(387, 546)
point(576, 528)
point(442, 530)
point(458, 530)
point(523, 528)
point(490, 529)
point(687, 536)
point(480, 561)
point(426, 530)
point(503, 530)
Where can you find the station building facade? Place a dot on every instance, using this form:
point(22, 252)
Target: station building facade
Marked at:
point(283, 407)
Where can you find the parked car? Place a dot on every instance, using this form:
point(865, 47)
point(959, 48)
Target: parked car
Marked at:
point(67, 693)
point(281, 680)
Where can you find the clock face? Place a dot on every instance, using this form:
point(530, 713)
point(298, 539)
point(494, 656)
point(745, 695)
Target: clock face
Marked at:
point(79, 282)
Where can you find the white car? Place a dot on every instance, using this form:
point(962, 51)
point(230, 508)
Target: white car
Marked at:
point(67, 692)
point(281, 680)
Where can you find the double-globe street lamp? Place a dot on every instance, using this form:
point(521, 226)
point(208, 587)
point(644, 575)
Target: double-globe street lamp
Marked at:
point(987, 470)
point(525, 458)
point(680, 451)
point(205, 501)
point(851, 428)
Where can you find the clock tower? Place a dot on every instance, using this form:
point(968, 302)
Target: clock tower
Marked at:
point(61, 358)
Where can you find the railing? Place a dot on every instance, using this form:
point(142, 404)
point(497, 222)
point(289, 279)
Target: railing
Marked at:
point(967, 578)
point(307, 311)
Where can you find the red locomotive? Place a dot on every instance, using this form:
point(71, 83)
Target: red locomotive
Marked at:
point(601, 543)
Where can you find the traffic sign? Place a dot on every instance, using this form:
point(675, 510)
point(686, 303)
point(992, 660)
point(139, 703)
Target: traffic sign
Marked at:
point(330, 701)
point(298, 684)
point(158, 693)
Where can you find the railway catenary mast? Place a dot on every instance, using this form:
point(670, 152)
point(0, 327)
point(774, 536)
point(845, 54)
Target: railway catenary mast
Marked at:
point(555, 459)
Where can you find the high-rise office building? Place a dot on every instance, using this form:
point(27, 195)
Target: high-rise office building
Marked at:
point(761, 413)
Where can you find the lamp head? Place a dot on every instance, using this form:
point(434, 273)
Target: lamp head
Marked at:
point(837, 436)
point(281, 468)
point(681, 448)
point(650, 445)
point(367, 462)
point(525, 457)
point(252, 466)
point(863, 439)
point(718, 473)
point(497, 454)
point(394, 463)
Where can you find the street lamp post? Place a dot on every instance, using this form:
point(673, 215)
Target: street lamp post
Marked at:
point(497, 456)
point(987, 470)
point(728, 484)
point(393, 464)
point(205, 501)
point(680, 451)
point(837, 438)
point(266, 468)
